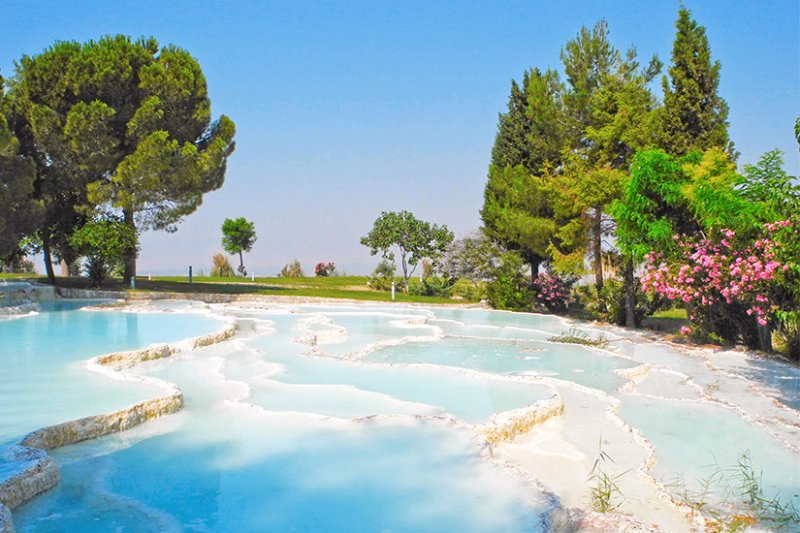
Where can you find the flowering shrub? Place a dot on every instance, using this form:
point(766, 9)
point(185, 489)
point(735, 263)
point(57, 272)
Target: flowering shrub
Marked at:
point(553, 291)
point(728, 285)
point(324, 269)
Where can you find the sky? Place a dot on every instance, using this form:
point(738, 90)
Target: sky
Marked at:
point(347, 109)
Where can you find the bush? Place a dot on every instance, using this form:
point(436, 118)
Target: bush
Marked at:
point(324, 269)
point(553, 291)
point(610, 306)
point(222, 267)
point(613, 295)
point(433, 286)
point(383, 276)
point(469, 290)
point(292, 270)
point(508, 288)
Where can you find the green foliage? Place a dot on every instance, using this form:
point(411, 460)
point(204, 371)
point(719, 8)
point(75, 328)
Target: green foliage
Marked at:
point(238, 235)
point(467, 289)
point(797, 130)
point(413, 238)
point(105, 242)
point(769, 186)
point(221, 267)
point(20, 214)
point(651, 208)
point(694, 116)
point(122, 122)
point(613, 297)
point(433, 286)
point(472, 257)
point(517, 212)
point(557, 165)
point(711, 196)
point(732, 499)
point(576, 336)
point(292, 270)
point(16, 264)
point(383, 276)
point(664, 196)
point(605, 494)
point(508, 288)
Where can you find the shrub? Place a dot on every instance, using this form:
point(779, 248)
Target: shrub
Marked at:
point(292, 270)
point(613, 296)
point(221, 267)
point(730, 284)
point(508, 288)
point(324, 269)
point(469, 290)
point(553, 291)
point(383, 276)
point(433, 286)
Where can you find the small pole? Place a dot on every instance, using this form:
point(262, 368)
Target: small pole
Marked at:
point(149, 277)
point(393, 291)
point(252, 276)
point(190, 274)
point(133, 282)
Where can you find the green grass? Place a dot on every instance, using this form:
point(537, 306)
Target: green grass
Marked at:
point(344, 287)
point(678, 313)
point(16, 276)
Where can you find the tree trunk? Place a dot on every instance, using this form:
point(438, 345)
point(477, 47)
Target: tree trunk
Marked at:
point(765, 338)
point(405, 270)
point(597, 245)
point(630, 295)
point(48, 259)
point(129, 270)
point(534, 263)
point(241, 264)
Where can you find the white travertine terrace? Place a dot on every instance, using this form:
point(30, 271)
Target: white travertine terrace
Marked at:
point(41, 472)
point(559, 452)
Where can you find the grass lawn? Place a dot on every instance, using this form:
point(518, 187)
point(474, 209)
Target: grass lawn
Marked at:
point(668, 320)
point(678, 313)
point(343, 287)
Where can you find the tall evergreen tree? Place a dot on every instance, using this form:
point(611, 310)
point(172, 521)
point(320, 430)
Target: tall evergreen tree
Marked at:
point(694, 116)
point(20, 213)
point(122, 124)
point(516, 212)
point(610, 112)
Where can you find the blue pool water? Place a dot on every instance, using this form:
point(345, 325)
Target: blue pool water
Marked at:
point(372, 426)
point(45, 380)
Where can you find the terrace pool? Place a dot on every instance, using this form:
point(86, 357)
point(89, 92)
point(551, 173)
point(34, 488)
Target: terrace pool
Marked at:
point(380, 418)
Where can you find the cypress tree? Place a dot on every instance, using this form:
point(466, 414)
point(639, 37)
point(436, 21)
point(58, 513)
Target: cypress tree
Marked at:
point(694, 117)
point(516, 212)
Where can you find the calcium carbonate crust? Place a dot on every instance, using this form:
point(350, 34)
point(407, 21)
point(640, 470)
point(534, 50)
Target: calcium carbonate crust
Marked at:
point(42, 472)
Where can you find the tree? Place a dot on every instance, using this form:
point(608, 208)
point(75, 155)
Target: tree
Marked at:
point(610, 112)
point(769, 186)
point(413, 238)
point(694, 116)
point(121, 123)
point(106, 242)
point(20, 213)
point(516, 212)
point(238, 235)
point(473, 257)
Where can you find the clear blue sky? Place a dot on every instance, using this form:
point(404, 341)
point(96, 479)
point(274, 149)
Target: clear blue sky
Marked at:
point(346, 109)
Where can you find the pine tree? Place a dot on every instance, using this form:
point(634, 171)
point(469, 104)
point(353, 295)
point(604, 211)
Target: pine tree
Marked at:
point(516, 212)
point(694, 116)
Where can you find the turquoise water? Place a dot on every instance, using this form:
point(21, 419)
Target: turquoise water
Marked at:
point(564, 361)
point(695, 440)
point(365, 431)
point(44, 379)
